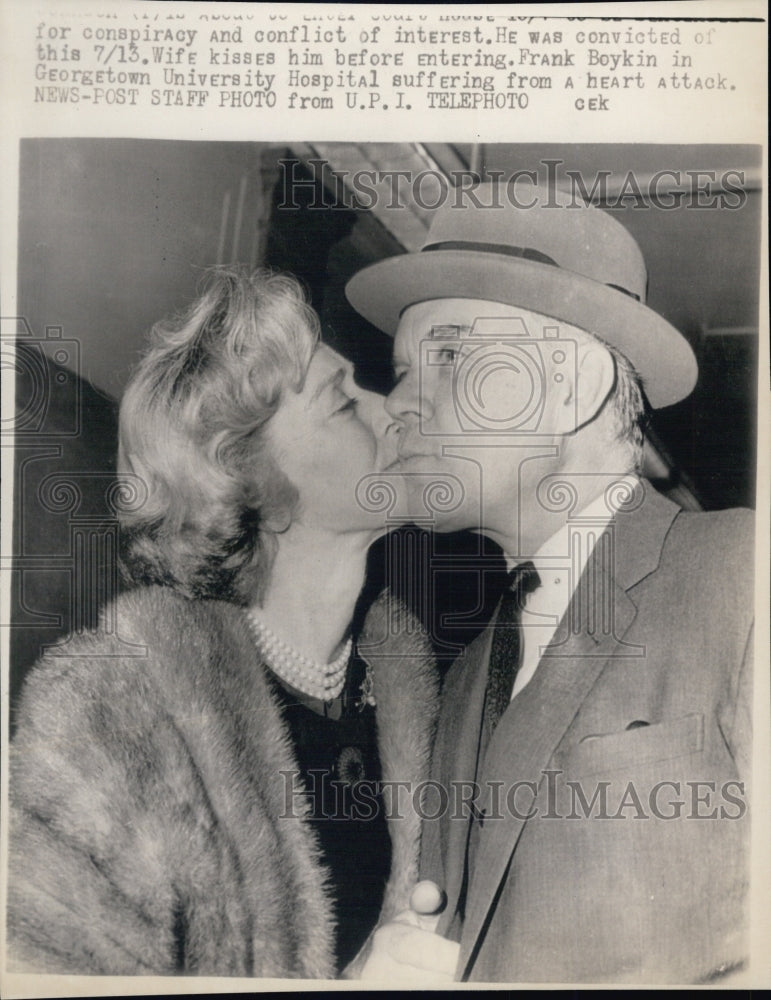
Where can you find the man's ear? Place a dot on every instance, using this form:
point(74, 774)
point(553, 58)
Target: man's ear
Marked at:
point(586, 388)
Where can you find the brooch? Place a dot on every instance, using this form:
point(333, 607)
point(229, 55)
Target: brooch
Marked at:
point(367, 690)
point(350, 766)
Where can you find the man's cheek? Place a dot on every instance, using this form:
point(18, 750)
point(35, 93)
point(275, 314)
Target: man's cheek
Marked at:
point(447, 415)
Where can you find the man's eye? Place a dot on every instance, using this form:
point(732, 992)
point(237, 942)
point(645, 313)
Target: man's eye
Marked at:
point(399, 374)
point(448, 355)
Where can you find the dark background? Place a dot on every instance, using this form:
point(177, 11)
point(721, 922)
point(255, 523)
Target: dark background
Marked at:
point(114, 234)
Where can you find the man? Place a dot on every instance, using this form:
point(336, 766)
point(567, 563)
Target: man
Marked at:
point(588, 819)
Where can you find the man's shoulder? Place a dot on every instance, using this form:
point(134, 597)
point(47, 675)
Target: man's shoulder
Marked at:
point(734, 521)
point(658, 524)
point(715, 538)
point(706, 569)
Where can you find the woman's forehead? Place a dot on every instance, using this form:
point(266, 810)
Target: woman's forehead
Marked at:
point(326, 359)
point(326, 367)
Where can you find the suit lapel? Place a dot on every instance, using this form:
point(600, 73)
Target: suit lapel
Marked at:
point(456, 755)
point(522, 747)
point(532, 728)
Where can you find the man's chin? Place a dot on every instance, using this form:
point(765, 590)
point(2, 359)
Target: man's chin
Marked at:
point(426, 465)
point(415, 465)
point(394, 468)
point(432, 499)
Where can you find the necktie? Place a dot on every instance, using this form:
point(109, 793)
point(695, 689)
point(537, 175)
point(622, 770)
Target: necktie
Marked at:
point(507, 645)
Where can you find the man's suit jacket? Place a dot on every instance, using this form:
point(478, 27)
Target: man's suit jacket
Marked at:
point(621, 854)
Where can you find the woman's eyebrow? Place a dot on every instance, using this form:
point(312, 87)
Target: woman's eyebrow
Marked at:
point(333, 380)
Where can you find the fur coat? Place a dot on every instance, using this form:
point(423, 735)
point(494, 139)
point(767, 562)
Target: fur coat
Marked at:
point(150, 828)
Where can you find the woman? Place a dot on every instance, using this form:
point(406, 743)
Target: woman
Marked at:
point(202, 789)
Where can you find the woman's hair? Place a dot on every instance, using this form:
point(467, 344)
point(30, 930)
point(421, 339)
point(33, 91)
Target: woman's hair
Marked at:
point(209, 497)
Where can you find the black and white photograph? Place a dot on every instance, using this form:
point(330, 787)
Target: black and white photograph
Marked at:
point(380, 556)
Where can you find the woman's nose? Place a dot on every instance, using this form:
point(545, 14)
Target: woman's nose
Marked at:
point(374, 409)
point(393, 402)
point(404, 401)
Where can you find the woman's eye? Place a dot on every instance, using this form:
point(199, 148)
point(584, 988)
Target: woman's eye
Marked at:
point(448, 355)
point(348, 406)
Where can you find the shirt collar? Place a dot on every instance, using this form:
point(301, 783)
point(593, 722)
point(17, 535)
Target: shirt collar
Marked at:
point(594, 517)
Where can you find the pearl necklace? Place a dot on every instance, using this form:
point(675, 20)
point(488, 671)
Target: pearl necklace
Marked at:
point(319, 680)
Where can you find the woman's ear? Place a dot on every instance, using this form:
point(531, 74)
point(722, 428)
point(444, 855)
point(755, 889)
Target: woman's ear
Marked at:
point(586, 387)
point(278, 509)
point(276, 523)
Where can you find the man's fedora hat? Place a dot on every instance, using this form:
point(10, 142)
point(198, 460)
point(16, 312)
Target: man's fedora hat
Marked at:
point(536, 248)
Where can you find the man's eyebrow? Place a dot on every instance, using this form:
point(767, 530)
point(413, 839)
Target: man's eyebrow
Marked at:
point(449, 331)
point(333, 380)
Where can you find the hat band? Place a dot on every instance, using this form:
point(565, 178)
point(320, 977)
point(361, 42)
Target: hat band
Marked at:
point(527, 253)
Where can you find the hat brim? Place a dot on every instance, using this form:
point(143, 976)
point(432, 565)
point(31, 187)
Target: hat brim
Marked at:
point(659, 352)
